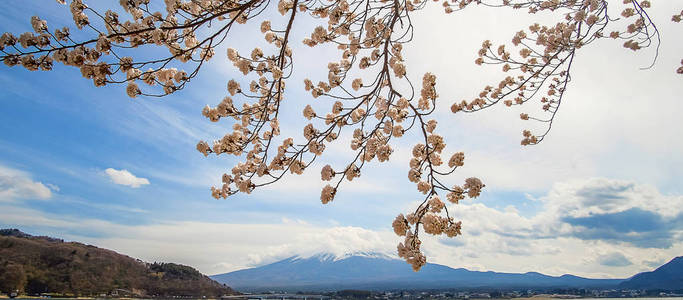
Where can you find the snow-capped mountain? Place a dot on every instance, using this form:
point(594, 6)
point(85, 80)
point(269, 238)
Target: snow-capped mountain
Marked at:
point(375, 271)
point(331, 257)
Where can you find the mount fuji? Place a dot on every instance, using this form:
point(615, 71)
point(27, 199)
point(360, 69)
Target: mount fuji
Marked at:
point(374, 271)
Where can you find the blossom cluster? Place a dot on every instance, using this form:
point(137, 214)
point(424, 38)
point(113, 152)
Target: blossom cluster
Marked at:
point(542, 56)
point(103, 58)
point(367, 95)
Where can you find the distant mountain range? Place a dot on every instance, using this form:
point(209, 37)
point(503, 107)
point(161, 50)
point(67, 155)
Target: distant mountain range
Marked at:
point(39, 264)
point(371, 271)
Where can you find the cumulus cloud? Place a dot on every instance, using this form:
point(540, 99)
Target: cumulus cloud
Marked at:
point(123, 177)
point(587, 139)
point(583, 198)
point(616, 211)
point(654, 263)
point(16, 184)
point(636, 226)
point(601, 209)
point(555, 241)
point(595, 227)
point(598, 209)
point(339, 240)
point(211, 247)
point(614, 259)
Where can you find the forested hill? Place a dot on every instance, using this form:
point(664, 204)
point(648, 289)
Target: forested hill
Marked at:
point(47, 265)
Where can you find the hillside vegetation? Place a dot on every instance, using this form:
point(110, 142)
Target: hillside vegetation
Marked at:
point(37, 265)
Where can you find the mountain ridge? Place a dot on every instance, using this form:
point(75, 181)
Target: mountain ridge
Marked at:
point(377, 271)
point(667, 277)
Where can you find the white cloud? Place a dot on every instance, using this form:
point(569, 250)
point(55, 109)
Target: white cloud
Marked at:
point(123, 177)
point(614, 259)
point(52, 187)
point(602, 129)
point(581, 198)
point(16, 184)
point(596, 227)
point(614, 211)
point(492, 239)
point(210, 247)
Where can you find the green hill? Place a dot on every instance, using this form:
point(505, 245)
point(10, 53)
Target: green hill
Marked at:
point(38, 265)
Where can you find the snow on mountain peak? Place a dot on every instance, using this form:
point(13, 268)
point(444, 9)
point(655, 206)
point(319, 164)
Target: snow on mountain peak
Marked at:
point(332, 257)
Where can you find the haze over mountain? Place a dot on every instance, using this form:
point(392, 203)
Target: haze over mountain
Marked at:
point(374, 271)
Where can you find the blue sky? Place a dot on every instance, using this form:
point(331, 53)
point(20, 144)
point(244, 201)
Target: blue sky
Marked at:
point(602, 196)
